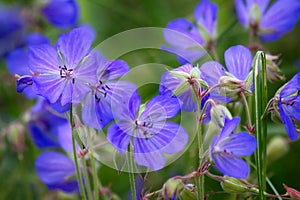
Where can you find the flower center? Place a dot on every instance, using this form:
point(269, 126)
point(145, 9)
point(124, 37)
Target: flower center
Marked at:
point(101, 91)
point(66, 73)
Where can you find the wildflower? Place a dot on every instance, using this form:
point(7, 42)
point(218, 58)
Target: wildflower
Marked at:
point(48, 129)
point(106, 94)
point(185, 83)
point(288, 103)
point(238, 60)
point(146, 128)
point(57, 171)
point(269, 22)
point(64, 73)
point(12, 29)
point(186, 39)
point(61, 13)
point(17, 64)
point(226, 147)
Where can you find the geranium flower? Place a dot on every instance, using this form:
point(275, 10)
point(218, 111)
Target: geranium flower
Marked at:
point(238, 60)
point(147, 129)
point(226, 148)
point(186, 39)
point(57, 171)
point(64, 73)
point(289, 106)
point(268, 21)
point(106, 95)
point(61, 13)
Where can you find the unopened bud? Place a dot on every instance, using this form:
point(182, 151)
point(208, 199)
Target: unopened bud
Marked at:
point(276, 148)
point(172, 187)
point(218, 114)
point(273, 71)
point(233, 185)
point(195, 72)
point(294, 194)
point(231, 86)
point(188, 193)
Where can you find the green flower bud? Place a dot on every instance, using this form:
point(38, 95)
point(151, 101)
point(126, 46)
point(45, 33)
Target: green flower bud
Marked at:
point(172, 187)
point(195, 72)
point(294, 194)
point(188, 193)
point(218, 114)
point(232, 86)
point(276, 148)
point(255, 14)
point(233, 185)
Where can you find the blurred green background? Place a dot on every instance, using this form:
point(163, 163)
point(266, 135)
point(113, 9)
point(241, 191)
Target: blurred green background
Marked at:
point(18, 179)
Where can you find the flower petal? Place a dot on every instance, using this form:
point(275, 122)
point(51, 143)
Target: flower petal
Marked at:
point(238, 61)
point(240, 144)
point(160, 108)
point(17, 62)
point(36, 38)
point(242, 12)
point(229, 126)
point(206, 15)
point(230, 165)
point(43, 59)
point(288, 123)
point(53, 167)
point(291, 87)
point(118, 138)
point(61, 13)
point(182, 33)
point(112, 69)
point(66, 186)
point(153, 159)
point(75, 45)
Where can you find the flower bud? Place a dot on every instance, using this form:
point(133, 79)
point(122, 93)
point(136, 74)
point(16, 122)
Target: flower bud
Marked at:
point(294, 194)
point(188, 193)
point(233, 185)
point(232, 86)
point(273, 71)
point(218, 114)
point(172, 187)
point(276, 148)
point(195, 72)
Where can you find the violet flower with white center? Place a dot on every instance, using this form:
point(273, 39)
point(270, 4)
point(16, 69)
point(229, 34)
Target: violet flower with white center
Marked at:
point(226, 148)
point(148, 131)
point(268, 20)
point(107, 94)
point(186, 39)
point(65, 72)
point(289, 105)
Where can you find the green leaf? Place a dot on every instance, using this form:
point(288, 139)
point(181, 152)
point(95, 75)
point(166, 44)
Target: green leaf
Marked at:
point(260, 103)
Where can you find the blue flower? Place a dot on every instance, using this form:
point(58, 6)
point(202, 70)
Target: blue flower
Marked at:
point(269, 22)
point(57, 171)
point(61, 13)
point(289, 106)
point(186, 38)
point(17, 64)
point(12, 29)
point(65, 72)
point(147, 129)
point(107, 94)
point(48, 129)
point(226, 148)
point(238, 60)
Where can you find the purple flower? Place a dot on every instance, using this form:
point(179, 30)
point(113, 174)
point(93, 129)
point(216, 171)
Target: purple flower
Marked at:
point(107, 94)
point(226, 148)
point(12, 29)
point(289, 106)
point(61, 13)
point(186, 39)
point(49, 129)
point(238, 60)
point(146, 128)
point(268, 21)
point(65, 72)
point(17, 64)
point(57, 171)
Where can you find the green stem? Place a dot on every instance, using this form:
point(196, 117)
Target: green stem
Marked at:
point(97, 185)
point(200, 180)
point(79, 179)
point(86, 178)
point(131, 172)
